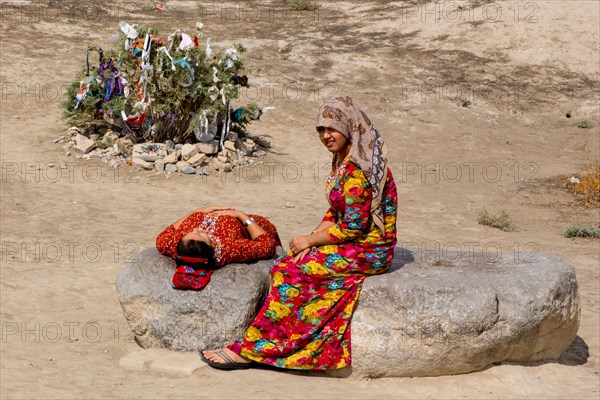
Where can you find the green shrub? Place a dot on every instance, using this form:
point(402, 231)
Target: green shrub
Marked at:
point(301, 5)
point(501, 221)
point(177, 94)
point(582, 230)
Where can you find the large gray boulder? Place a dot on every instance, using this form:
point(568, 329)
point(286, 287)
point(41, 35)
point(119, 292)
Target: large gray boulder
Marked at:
point(430, 315)
point(161, 316)
point(433, 316)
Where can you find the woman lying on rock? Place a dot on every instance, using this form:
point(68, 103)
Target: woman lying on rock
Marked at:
point(304, 321)
point(211, 237)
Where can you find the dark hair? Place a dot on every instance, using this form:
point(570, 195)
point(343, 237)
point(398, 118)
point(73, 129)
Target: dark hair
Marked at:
point(196, 248)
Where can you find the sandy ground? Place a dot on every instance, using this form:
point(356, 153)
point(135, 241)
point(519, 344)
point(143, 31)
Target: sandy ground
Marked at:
point(471, 99)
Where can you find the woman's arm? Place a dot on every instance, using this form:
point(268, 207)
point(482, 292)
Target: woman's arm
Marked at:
point(323, 226)
point(254, 229)
point(260, 246)
point(202, 210)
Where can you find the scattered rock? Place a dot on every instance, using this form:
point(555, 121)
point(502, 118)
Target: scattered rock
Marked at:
point(181, 164)
point(94, 136)
point(289, 204)
point(197, 159)
point(110, 136)
point(170, 144)
point(259, 153)
point(178, 146)
point(201, 171)
point(263, 141)
point(148, 156)
point(116, 150)
point(148, 151)
point(208, 148)
point(72, 131)
point(172, 158)
point(229, 145)
point(142, 163)
point(232, 155)
point(188, 150)
point(215, 165)
point(170, 168)
point(188, 170)
point(125, 142)
point(246, 146)
point(159, 165)
point(233, 136)
point(83, 144)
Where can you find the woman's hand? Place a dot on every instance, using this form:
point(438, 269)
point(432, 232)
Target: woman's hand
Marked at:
point(234, 213)
point(204, 210)
point(301, 255)
point(299, 243)
point(211, 209)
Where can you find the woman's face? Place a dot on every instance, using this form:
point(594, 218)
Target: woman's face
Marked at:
point(200, 235)
point(333, 140)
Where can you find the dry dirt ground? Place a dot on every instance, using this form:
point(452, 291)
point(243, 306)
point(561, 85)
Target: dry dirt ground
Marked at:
point(471, 98)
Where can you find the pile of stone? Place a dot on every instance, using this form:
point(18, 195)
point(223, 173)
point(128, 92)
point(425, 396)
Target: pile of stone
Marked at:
point(167, 157)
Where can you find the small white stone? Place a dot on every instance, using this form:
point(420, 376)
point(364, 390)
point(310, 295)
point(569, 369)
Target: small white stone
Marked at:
point(188, 170)
point(172, 158)
point(142, 163)
point(84, 145)
point(229, 145)
point(181, 164)
point(188, 150)
point(196, 159)
point(208, 148)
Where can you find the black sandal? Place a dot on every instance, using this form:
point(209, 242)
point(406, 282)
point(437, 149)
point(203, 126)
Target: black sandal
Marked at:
point(229, 363)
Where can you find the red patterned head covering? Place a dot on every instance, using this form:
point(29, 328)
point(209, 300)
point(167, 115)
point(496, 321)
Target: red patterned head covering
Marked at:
point(367, 149)
point(192, 273)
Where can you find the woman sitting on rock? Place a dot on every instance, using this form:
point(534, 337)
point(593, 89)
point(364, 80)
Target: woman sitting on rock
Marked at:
point(211, 237)
point(304, 321)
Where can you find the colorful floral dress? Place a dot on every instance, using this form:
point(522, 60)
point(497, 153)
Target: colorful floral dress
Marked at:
point(231, 241)
point(304, 322)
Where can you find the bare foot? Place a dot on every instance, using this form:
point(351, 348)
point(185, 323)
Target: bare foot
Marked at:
point(210, 354)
